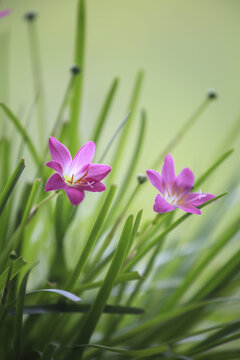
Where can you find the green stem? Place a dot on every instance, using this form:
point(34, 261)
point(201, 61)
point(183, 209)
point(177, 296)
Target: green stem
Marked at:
point(104, 111)
point(37, 76)
point(97, 307)
point(23, 132)
point(92, 238)
point(75, 104)
point(8, 189)
point(183, 130)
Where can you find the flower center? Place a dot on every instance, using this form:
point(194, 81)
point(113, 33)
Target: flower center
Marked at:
point(176, 198)
point(72, 181)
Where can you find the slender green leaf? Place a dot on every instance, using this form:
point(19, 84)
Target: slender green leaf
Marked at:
point(183, 130)
point(109, 281)
point(164, 317)
point(37, 77)
point(144, 250)
point(92, 238)
point(104, 111)
point(113, 137)
point(212, 168)
point(132, 165)
point(143, 353)
point(17, 266)
point(220, 278)
point(132, 108)
point(200, 266)
point(16, 238)
point(75, 104)
point(17, 334)
point(122, 278)
point(23, 132)
point(78, 308)
point(8, 189)
point(48, 351)
point(63, 293)
point(220, 355)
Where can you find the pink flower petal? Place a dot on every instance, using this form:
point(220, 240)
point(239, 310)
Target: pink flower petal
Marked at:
point(59, 153)
point(4, 13)
point(184, 181)
point(156, 180)
point(190, 209)
point(168, 172)
point(75, 196)
point(94, 187)
point(55, 166)
point(55, 182)
point(98, 172)
point(196, 199)
point(83, 157)
point(161, 205)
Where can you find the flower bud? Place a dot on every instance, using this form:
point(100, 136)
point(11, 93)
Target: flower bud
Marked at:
point(13, 255)
point(30, 16)
point(211, 94)
point(75, 69)
point(141, 178)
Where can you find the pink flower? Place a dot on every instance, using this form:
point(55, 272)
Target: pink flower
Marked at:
point(175, 190)
point(4, 13)
point(77, 175)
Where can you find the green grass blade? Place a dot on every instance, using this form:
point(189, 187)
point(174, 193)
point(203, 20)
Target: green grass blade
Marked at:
point(37, 76)
point(16, 238)
point(134, 275)
point(5, 148)
point(104, 111)
point(48, 352)
point(18, 264)
point(75, 104)
point(23, 132)
point(220, 279)
point(158, 323)
point(220, 355)
point(92, 237)
point(17, 334)
point(143, 353)
point(113, 137)
point(145, 249)
point(202, 264)
point(183, 130)
point(105, 290)
point(132, 165)
point(9, 187)
point(212, 168)
point(132, 108)
point(135, 230)
point(78, 308)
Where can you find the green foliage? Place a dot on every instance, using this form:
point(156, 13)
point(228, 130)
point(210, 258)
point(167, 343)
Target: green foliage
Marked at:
point(113, 281)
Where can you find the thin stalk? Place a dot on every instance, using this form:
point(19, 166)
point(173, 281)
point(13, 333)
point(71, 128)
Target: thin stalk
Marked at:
point(75, 104)
point(183, 130)
point(104, 111)
point(37, 75)
point(36, 207)
point(23, 132)
point(132, 165)
point(8, 189)
point(132, 108)
point(113, 137)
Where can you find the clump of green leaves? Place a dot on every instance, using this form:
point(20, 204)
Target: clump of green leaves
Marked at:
point(131, 285)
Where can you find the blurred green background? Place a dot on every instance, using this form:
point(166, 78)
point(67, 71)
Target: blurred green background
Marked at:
point(185, 48)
